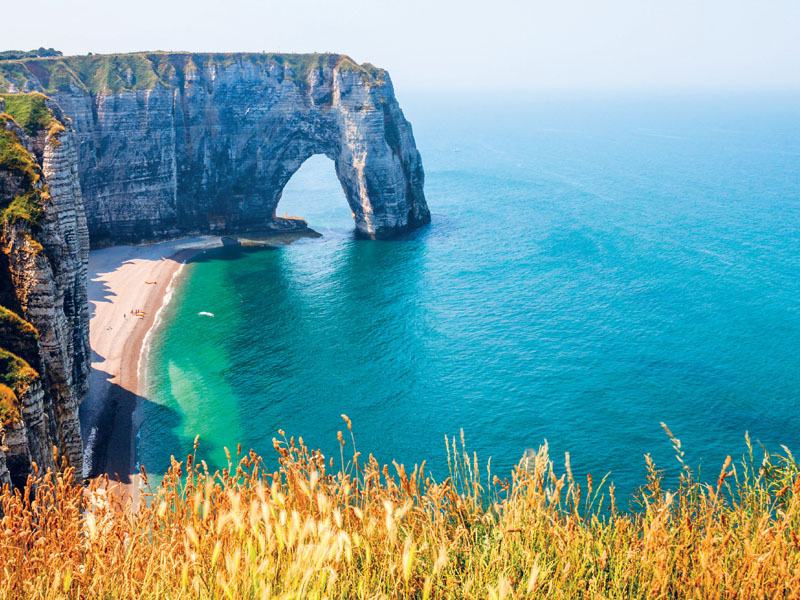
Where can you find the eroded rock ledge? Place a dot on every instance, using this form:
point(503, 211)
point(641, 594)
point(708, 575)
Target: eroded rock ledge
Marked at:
point(175, 143)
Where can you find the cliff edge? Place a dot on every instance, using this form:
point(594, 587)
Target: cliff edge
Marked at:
point(178, 143)
point(44, 315)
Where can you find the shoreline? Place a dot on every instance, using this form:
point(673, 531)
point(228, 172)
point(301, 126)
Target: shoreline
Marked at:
point(124, 280)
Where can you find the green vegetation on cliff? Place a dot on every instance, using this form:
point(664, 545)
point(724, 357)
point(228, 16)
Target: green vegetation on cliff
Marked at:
point(9, 406)
point(17, 162)
point(19, 346)
point(113, 73)
point(15, 375)
point(17, 54)
point(18, 335)
point(30, 111)
point(19, 172)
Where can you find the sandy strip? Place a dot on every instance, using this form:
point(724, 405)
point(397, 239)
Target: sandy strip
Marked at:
point(118, 288)
point(118, 285)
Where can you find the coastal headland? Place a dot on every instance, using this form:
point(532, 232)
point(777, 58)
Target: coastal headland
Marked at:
point(174, 143)
point(102, 150)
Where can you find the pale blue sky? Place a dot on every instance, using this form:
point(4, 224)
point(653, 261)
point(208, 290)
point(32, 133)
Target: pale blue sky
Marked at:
point(506, 44)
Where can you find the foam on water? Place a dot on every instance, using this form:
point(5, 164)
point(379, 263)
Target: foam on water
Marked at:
point(141, 367)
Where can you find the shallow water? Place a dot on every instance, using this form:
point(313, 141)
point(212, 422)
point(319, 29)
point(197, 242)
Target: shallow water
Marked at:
point(595, 265)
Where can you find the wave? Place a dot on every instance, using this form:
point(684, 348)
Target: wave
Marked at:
point(141, 367)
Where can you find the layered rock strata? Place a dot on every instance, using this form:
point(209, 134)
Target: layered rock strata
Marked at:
point(175, 143)
point(159, 145)
point(44, 316)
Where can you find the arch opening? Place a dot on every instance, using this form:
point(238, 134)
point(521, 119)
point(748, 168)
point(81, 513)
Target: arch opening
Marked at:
point(315, 194)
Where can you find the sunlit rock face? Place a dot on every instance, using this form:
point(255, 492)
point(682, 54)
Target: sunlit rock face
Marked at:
point(182, 143)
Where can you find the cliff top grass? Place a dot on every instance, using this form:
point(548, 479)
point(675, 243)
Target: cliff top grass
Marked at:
point(113, 73)
point(15, 159)
point(365, 530)
point(15, 376)
point(30, 111)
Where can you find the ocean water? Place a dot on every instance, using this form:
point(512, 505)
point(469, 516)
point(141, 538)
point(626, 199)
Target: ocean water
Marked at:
point(596, 264)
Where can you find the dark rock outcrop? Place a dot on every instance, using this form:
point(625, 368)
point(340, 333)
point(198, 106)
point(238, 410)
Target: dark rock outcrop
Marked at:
point(174, 143)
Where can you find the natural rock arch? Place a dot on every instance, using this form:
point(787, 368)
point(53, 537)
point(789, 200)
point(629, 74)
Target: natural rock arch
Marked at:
point(378, 185)
point(180, 143)
point(314, 194)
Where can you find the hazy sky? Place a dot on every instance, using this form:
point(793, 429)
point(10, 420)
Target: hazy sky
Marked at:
point(465, 43)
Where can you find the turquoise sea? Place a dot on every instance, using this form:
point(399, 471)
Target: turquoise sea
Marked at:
point(596, 264)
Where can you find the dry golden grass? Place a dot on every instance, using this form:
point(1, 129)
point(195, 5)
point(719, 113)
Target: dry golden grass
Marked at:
point(368, 531)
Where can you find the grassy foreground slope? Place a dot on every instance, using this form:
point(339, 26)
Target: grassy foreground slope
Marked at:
point(366, 531)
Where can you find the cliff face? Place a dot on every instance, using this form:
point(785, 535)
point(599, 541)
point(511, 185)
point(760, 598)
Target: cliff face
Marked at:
point(44, 317)
point(180, 143)
point(159, 145)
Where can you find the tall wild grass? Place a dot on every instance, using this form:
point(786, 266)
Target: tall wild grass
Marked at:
point(364, 530)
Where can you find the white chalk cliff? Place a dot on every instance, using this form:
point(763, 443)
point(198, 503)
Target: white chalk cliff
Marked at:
point(174, 143)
